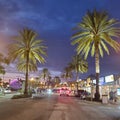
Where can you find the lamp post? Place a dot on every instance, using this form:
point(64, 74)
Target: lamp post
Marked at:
point(31, 81)
point(77, 84)
point(30, 84)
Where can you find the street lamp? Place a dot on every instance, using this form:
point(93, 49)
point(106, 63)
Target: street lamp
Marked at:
point(30, 82)
point(77, 81)
point(32, 79)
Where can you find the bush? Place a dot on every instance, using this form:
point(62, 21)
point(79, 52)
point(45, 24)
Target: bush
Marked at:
point(21, 96)
point(88, 98)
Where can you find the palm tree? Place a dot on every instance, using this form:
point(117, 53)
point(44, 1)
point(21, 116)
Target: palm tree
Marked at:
point(45, 74)
point(67, 73)
point(3, 60)
point(56, 80)
point(95, 32)
point(92, 77)
point(2, 71)
point(80, 65)
point(28, 51)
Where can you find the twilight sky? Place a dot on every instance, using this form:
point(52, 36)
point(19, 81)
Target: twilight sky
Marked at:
point(54, 20)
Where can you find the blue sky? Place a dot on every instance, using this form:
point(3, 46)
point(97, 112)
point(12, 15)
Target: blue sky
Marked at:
point(54, 20)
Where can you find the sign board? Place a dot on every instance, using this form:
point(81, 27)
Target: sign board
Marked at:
point(118, 91)
point(94, 81)
point(109, 78)
point(101, 81)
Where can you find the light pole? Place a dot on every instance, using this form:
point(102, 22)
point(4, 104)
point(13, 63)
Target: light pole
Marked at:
point(32, 80)
point(77, 84)
point(30, 84)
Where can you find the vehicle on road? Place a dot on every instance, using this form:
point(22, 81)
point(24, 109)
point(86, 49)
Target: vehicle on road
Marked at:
point(64, 91)
point(56, 90)
point(72, 93)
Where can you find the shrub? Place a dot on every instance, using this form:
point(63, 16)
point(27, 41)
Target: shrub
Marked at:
point(88, 98)
point(21, 96)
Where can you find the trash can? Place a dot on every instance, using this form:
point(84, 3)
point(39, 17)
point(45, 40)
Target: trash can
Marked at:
point(104, 99)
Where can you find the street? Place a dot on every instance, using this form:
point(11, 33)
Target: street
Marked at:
point(55, 107)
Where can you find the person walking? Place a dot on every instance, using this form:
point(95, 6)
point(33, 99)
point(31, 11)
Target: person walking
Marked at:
point(111, 95)
point(115, 96)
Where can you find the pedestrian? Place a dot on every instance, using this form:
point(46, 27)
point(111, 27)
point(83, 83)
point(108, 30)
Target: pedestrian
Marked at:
point(115, 96)
point(111, 95)
point(84, 95)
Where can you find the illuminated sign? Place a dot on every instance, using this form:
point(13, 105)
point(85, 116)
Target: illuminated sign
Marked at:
point(109, 78)
point(118, 91)
point(94, 81)
point(101, 81)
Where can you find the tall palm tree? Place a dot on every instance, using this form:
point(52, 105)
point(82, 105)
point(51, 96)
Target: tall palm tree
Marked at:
point(28, 50)
point(45, 74)
point(80, 65)
point(67, 73)
point(2, 71)
point(95, 32)
point(92, 77)
point(3, 60)
point(57, 80)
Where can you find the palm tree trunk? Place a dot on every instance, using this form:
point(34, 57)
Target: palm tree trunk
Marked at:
point(97, 94)
point(77, 77)
point(44, 77)
point(26, 75)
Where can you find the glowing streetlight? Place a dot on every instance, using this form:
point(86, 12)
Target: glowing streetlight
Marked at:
point(32, 79)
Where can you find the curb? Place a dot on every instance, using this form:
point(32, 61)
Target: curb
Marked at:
point(100, 103)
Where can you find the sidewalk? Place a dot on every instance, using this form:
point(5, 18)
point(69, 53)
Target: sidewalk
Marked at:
point(112, 104)
point(39, 95)
point(6, 97)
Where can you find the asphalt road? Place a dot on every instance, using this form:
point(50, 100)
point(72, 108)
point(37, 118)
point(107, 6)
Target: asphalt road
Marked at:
point(57, 108)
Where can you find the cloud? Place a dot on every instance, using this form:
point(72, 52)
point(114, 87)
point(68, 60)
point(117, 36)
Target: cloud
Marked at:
point(53, 20)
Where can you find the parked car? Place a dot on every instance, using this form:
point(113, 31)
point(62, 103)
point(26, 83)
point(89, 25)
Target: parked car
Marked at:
point(78, 93)
point(82, 94)
point(7, 91)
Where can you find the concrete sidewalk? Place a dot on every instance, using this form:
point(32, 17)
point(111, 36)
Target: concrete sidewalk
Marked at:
point(114, 104)
point(39, 95)
point(6, 97)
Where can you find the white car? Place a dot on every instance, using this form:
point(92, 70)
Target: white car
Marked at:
point(7, 91)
